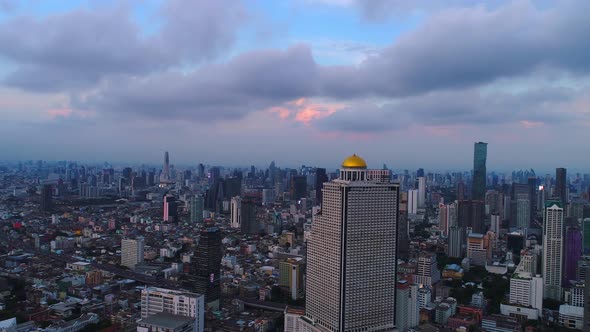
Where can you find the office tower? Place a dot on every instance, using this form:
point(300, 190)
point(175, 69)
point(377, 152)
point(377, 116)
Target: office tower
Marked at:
point(573, 253)
point(232, 187)
point(495, 223)
point(236, 212)
point(354, 242)
point(205, 267)
point(132, 252)
point(427, 272)
point(298, 189)
point(402, 299)
point(479, 171)
point(155, 300)
point(561, 185)
point(421, 192)
point(268, 196)
point(165, 176)
point(412, 201)
point(520, 206)
point(456, 241)
point(248, 216)
point(553, 249)
point(460, 191)
point(443, 219)
point(46, 199)
point(170, 208)
point(196, 208)
point(533, 196)
point(471, 214)
point(413, 306)
point(586, 226)
point(526, 289)
point(587, 300)
point(320, 178)
point(493, 202)
point(291, 277)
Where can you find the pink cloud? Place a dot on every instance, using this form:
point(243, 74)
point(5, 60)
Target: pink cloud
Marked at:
point(304, 111)
point(56, 113)
point(531, 124)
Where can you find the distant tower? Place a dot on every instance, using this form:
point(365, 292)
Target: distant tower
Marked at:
point(352, 253)
point(553, 249)
point(46, 198)
point(196, 208)
point(170, 208)
point(205, 267)
point(561, 185)
point(479, 171)
point(421, 192)
point(166, 171)
point(320, 178)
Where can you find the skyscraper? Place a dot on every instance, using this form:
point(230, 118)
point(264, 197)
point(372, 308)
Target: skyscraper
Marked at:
point(46, 198)
point(586, 226)
point(170, 209)
point(132, 252)
point(196, 208)
point(553, 249)
point(421, 191)
point(165, 177)
point(320, 178)
point(479, 171)
point(412, 201)
point(298, 188)
point(456, 241)
point(561, 185)
point(205, 267)
point(471, 214)
point(573, 253)
point(352, 252)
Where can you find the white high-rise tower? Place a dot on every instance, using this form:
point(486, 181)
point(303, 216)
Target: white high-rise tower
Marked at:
point(553, 249)
point(352, 253)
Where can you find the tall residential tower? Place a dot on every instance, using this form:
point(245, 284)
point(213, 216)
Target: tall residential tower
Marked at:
point(480, 154)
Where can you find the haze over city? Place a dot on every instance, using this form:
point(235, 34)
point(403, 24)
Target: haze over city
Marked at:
point(409, 84)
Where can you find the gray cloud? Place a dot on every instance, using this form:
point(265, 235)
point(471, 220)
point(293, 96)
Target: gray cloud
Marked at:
point(77, 49)
point(250, 82)
point(457, 107)
point(470, 47)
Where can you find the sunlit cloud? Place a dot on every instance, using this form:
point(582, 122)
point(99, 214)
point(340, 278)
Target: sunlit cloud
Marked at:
point(67, 113)
point(531, 124)
point(305, 111)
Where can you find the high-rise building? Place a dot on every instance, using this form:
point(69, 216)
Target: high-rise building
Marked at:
point(533, 196)
point(291, 277)
point(197, 205)
point(156, 300)
point(479, 171)
point(587, 300)
point(456, 241)
point(443, 219)
point(352, 252)
point(526, 289)
point(413, 306)
point(476, 249)
point(471, 214)
point(573, 253)
point(412, 201)
point(46, 198)
point(421, 191)
point(561, 185)
point(236, 212)
point(132, 252)
point(402, 300)
point(170, 208)
point(165, 176)
point(586, 225)
point(205, 267)
point(520, 206)
point(553, 249)
point(248, 220)
point(321, 177)
point(298, 188)
point(427, 272)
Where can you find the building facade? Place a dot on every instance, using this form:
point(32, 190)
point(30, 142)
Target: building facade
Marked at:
point(553, 249)
point(352, 257)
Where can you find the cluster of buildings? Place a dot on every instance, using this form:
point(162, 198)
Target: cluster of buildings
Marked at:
point(207, 248)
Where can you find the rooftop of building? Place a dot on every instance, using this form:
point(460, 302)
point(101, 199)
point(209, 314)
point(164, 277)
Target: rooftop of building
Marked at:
point(354, 161)
point(167, 321)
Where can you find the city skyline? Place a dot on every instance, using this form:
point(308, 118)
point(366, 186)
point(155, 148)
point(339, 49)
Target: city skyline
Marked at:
point(401, 83)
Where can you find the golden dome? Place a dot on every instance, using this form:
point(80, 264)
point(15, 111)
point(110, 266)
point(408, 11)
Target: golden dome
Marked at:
point(354, 161)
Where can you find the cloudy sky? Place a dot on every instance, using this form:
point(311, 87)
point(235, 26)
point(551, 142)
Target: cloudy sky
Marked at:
point(406, 83)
